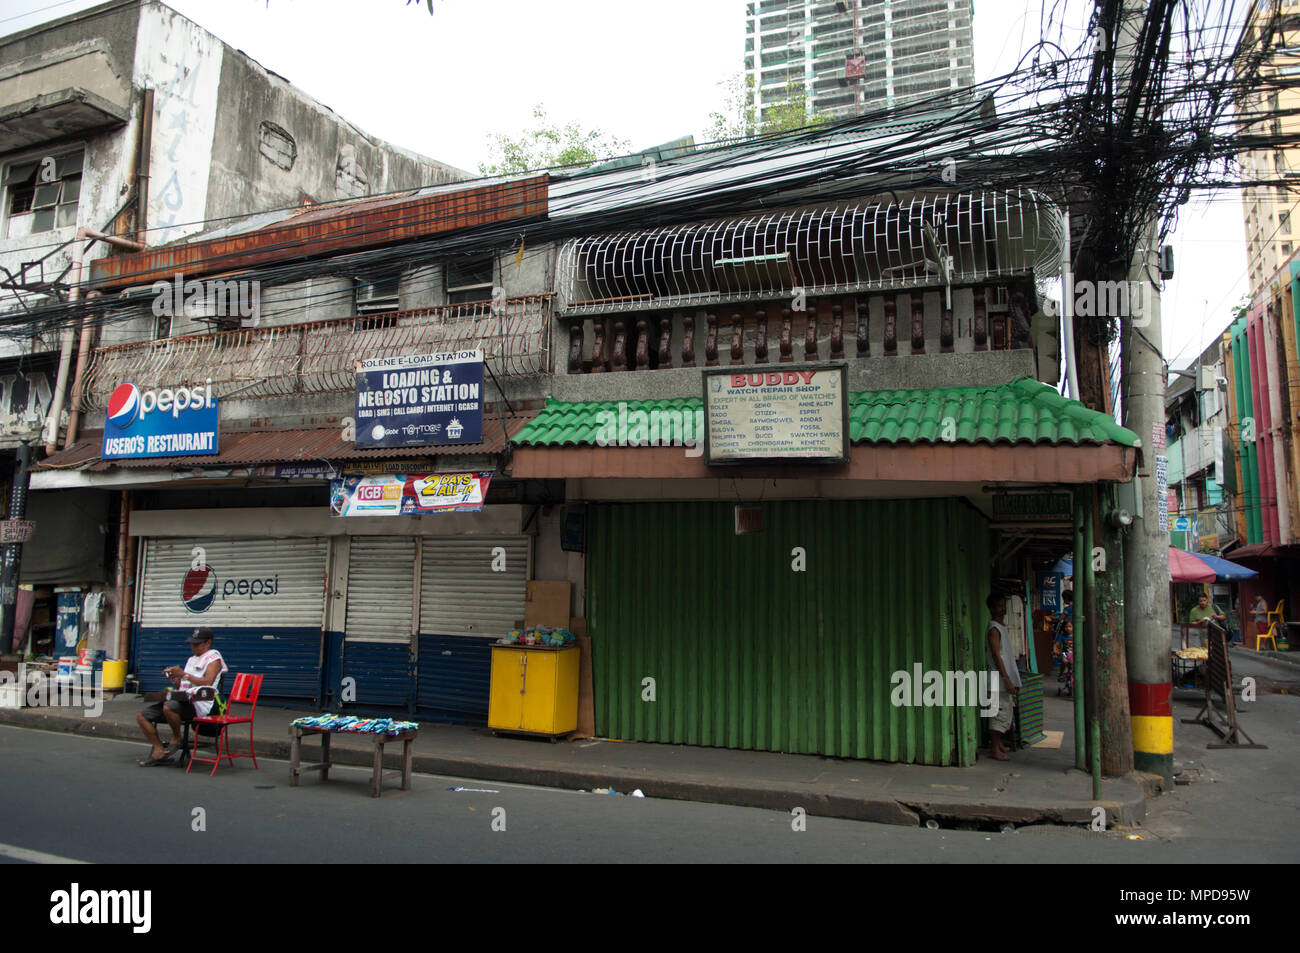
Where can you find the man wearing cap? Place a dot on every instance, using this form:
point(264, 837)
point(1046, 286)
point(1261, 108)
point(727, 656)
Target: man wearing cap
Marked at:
point(201, 670)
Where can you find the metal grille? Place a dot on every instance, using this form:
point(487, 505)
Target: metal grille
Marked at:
point(460, 594)
point(381, 580)
point(321, 356)
point(293, 570)
point(924, 242)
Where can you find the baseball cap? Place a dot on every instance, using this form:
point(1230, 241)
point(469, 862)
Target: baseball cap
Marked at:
point(201, 635)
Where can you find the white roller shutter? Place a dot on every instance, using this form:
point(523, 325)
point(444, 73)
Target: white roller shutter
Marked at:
point(460, 594)
point(270, 583)
point(381, 583)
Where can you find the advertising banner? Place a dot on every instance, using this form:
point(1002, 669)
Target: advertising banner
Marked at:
point(165, 422)
point(420, 400)
point(1049, 584)
point(399, 494)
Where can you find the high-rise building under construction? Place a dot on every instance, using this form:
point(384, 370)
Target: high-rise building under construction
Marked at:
point(856, 56)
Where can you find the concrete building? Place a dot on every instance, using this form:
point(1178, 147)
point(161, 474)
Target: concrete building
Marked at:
point(854, 56)
point(597, 299)
point(126, 125)
point(1262, 367)
point(1272, 233)
point(1202, 489)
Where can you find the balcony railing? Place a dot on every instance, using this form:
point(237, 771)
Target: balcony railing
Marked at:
point(991, 318)
point(320, 357)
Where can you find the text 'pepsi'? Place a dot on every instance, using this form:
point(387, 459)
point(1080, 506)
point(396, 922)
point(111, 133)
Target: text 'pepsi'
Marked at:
point(182, 398)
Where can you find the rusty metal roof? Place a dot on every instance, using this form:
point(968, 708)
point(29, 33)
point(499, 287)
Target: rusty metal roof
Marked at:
point(358, 225)
point(307, 445)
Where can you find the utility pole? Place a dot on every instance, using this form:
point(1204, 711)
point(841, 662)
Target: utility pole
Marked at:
point(1146, 545)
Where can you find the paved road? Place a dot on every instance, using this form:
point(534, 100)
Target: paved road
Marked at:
point(85, 799)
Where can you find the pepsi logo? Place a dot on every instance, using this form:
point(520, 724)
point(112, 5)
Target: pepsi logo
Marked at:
point(199, 589)
point(123, 405)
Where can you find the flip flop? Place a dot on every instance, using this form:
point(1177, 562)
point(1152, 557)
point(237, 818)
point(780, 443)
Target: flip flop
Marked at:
point(151, 761)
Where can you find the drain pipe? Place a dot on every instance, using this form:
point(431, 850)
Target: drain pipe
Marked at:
point(66, 342)
point(1092, 632)
point(125, 576)
point(1081, 556)
point(1067, 320)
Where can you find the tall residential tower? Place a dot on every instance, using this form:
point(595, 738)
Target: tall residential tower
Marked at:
point(855, 56)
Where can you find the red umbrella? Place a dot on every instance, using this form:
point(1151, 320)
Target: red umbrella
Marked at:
point(1184, 567)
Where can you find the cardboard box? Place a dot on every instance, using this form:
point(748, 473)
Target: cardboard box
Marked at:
point(547, 603)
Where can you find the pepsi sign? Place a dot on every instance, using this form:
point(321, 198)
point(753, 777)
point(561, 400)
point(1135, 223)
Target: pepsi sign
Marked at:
point(200, 588)
point(163, 422)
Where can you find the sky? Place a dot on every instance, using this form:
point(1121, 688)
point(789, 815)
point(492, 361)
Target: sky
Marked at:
point(441, 85)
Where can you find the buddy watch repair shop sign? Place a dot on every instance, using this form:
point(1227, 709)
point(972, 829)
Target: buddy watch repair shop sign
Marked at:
point(420, 400)
point(789, 412)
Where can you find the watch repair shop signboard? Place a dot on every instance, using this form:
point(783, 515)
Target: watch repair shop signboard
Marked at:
point(791, 412)
point(420, 400)
point(176, 421)
point(409, 494)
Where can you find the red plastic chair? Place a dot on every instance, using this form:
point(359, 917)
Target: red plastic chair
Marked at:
point(247, 688)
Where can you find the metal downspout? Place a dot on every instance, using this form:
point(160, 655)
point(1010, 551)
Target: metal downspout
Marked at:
point(124, 602)
point(65, 346)
point(1090, 622)
point(1080, 735)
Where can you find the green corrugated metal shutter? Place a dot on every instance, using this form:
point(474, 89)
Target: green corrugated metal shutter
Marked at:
point(747, 653)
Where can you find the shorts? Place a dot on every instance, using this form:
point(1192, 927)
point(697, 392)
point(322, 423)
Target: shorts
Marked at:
point(1001, 720)
point(177, 703)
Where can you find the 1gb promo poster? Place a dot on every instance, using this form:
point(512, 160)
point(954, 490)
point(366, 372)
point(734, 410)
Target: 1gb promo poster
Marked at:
point(408, 494)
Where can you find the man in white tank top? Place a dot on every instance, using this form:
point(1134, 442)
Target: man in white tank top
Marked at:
point(1003, 669)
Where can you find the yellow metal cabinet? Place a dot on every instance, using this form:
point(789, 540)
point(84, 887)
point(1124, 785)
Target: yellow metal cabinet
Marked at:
point(534, 689)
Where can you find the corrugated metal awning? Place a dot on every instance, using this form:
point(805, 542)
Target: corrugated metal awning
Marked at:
point(306, 445)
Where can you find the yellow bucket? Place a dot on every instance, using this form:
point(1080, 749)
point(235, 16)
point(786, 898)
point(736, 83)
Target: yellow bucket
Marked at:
point(114, 675)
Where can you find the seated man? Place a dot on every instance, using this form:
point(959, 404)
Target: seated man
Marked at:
point(202, 669)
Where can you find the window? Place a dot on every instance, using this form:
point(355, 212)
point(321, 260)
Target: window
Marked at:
point(1284, 221)
point(469, 280)
point(41, 193)
point(377, 295)
point(1286, 248)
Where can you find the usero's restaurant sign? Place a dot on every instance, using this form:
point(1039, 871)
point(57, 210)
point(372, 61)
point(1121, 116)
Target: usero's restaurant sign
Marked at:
point(409, 494)
point(163, 422)
point(792, 412)
point(420, 400)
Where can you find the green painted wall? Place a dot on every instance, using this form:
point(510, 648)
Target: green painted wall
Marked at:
point(747, 653)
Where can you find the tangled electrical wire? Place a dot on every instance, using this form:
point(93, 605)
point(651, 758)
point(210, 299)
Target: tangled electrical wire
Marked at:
point(1151, 102)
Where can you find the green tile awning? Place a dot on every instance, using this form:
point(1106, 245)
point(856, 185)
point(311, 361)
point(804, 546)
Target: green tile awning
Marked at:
point(1022, 411)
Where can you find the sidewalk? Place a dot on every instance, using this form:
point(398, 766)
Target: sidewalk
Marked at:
point(1039, 785)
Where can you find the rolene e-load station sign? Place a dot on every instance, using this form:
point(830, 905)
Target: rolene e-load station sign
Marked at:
point(420, 400)
point(792, 412)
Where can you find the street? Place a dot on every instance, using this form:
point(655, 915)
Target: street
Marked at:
point(85, 799)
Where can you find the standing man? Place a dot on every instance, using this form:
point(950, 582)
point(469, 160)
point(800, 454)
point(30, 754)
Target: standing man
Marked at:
point(201, 671)
point(1204, 612)
point(1004, 665)
point(1261, 615)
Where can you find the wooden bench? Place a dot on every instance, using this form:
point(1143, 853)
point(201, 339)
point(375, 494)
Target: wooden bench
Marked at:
point(296, 767)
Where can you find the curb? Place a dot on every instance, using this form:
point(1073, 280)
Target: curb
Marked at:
point(1291, 659)
point(901, 811)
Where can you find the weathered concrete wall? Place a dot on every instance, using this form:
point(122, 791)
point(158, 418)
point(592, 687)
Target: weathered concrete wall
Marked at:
point(112, 33)
point(275, 147)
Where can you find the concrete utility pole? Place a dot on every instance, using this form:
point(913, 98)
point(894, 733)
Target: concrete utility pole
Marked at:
point(1146, 546)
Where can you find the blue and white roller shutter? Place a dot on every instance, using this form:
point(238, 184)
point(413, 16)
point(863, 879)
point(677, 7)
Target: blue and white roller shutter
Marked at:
point(460, 591)
point(381, 583)
point(233, 583)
